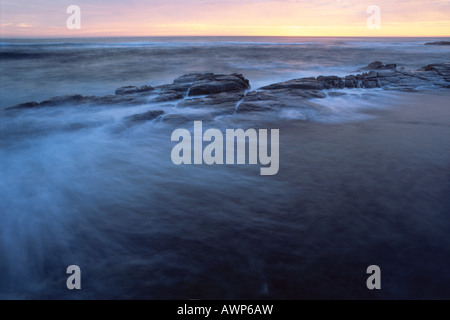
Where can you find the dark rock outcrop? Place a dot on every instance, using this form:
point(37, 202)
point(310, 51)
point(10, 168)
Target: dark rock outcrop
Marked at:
point(64, 100)
point(438, 43)
point(328, 82)
point(309, 83)
point(442, 70)
point(219, 84)
point(384, 76)
point(217, 94)
point(167, 95)
point(194, 77)
point(182, 88)
point(208, 83)
point(273, 100)
point(197, 84)
point(336, 94)
point(213, 87)
point(76, 100)
point(296, 93)
point(26, 105)
point(133, 90)
point(225, 102)
point(179, 119)
point(378, 65)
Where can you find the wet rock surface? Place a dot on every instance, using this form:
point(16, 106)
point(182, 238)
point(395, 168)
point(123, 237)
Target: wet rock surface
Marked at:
point(220, 94)
point(132, 90)
point(438, 43)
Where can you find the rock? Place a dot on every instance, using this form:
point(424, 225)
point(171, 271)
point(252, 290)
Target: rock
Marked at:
point(116, 100)
point(220, 94)
point(297, 93)
point(178, 87)
point(370, 80)
point(168, 95)
point(176, 118)
point(26, 105)
point(388, 67)
point(331, 82)
point(310, 83)
point(373, 66)
point(208, 83)
point(350, 82)
point(369, 84)
point(219, 104)
point(198, 84)
point(378, 65)
point(74, 99)
point(274, 100)
point(260, 101)
point(147, 116)
point(211, 87)
point(429, 68)
point(223, 100)
point(133, 90)
point(385, 76)
point(442, 69)
point(438, 43)
point(258, 106)
point(194, 77)
point(219, 84)
point(336, 94)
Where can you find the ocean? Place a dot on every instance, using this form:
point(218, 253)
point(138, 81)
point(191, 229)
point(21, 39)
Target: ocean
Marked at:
point(36, 69)
point(365, 182)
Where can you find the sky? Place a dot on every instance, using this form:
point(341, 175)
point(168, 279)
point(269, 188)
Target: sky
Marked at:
point(47, 18)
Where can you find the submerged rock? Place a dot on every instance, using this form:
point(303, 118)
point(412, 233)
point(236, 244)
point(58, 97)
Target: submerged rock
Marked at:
point(378, 65)
point(182, 88)
point(196, 84)
point(219, 84)
point(74, 99)
point(438, 43)
point(384, 76)
point(212, 87)
point(442, 70)
point(336, 94)
point(373, 66)
point(26, 105)
point(274, 100)
point(147, 116)
point(133, 90)
point(220, 94)
point(194, 77)
point(225, 102)
point(296, 93)
point(117, 100)
point(178, 118)
point(168, 95)
point(310, 83)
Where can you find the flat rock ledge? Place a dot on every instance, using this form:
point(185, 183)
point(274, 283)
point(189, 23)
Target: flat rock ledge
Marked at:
point(230, 94)
point(438, 43)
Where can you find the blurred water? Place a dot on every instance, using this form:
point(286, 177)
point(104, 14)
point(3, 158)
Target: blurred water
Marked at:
point(36, 69)
point(356, 186)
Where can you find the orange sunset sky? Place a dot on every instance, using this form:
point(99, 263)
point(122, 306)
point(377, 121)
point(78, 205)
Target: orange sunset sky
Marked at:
point(47, 18)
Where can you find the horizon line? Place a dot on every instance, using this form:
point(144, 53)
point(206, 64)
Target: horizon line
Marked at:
point(206, 36)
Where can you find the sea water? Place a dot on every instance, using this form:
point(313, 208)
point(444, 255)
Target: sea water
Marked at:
point(78, 187)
